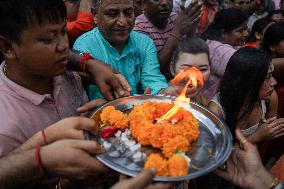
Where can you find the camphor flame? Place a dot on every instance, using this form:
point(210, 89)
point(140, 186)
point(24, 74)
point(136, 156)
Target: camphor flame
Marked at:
point(194, 77)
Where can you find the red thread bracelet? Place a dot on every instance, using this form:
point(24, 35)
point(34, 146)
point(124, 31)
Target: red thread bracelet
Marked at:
point(39, 161)
point(84, 60)
point(44, 137)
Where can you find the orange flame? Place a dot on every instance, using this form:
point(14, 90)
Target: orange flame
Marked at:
point(194, 77)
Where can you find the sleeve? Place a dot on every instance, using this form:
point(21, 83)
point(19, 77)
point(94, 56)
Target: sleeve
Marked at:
point(221, 64)
point(150, 74)
point(8, 144)
point(139, 26)
point(84, 23)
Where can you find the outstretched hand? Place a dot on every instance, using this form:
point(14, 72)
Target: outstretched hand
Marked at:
point(110, 82)
point(188, 19)
point(244, 167)
point(71, 159)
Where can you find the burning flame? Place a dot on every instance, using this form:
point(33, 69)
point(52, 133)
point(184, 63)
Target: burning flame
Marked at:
point(193, 76)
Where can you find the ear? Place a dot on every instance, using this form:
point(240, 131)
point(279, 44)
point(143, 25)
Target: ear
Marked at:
point(6, 48)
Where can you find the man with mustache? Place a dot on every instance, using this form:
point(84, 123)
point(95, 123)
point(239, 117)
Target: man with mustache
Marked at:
point(167, 28)
point(131, 53)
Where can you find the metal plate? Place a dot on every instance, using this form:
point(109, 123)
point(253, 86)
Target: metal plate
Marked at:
point(213, 147)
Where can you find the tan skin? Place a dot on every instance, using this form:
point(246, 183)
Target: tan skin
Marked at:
point(115, 20)
point(199, 61)
point(72, 9)
point(27, 62)
point(244, 166)
point(236, 37)
point(185, 24)
point(271, 127)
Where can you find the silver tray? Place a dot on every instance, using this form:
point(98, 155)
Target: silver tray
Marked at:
point(213, 147)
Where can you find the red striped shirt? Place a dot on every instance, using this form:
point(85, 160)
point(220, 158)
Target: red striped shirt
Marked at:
point(144, 25)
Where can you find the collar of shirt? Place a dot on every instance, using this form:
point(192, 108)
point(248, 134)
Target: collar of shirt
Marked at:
point(128, 48)
point(30, 95)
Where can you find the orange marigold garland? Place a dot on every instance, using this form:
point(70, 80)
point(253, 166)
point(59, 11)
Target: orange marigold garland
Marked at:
point(172, 136)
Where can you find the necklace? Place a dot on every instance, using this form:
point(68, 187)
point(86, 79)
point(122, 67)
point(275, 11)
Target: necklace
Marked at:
point(5, 69)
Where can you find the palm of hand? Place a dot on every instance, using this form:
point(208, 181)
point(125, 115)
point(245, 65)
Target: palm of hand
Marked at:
point(243, 167)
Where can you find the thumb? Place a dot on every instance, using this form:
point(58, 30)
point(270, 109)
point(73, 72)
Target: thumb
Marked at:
point(90, 105)
point(246, 145)
point(124, 83)
point(143, 179)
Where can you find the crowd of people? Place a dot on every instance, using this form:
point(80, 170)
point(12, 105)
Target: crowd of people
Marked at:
point(63, 58)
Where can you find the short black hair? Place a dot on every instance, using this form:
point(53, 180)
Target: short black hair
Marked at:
point(258, 27)
point(225, 20)
point(273, 36)
point(16, 15)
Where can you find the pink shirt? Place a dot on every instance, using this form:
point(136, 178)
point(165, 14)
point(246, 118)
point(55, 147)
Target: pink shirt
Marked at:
point(219, 57)
point(144, 25)
point(24, 112)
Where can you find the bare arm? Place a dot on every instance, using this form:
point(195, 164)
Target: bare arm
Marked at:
point(17, 169)
point(86, 6)
point(109, 81)
point(74, 162)
point(185, 24)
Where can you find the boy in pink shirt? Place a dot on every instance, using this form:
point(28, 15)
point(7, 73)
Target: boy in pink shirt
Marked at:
point(35, 88)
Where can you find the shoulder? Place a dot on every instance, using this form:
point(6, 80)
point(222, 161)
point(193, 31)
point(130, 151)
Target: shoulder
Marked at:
point(219, 47)
point(143, 24)
point(141, 19)
point(140, 38)
point(220, 52)
point(86, 38)
point(215, 106)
